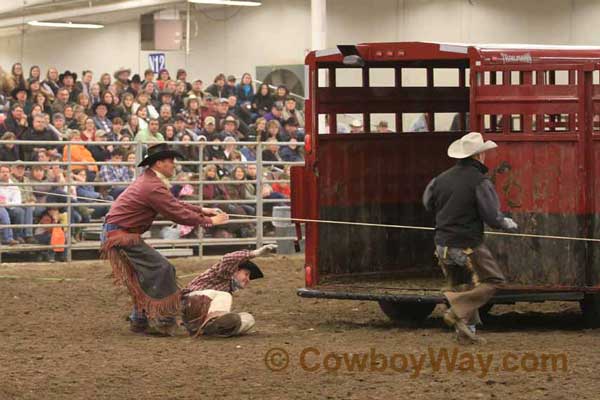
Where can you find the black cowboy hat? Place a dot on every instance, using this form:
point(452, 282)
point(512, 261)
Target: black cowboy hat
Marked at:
point(67, 73)
point(18, 89)
point(98, 104)
point(136, 79)
point(158, 152)
point(255, 272)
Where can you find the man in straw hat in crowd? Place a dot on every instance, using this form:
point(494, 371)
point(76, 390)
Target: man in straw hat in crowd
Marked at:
point(356, 126)
point(463, 198)
point(150, 277)
point(197, 89)
point(121, 76)
point(207, 299)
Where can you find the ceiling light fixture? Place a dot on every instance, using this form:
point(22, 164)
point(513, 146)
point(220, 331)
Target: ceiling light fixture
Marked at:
point(228, 2)
point(65, 25)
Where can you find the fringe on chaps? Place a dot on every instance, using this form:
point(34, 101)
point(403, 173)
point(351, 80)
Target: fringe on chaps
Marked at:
point(124, 274)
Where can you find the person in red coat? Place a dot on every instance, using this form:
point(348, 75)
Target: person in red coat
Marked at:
point(150, 277)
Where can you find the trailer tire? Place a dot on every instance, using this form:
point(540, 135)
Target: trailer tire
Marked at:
point(406, 312)
point(590, 307)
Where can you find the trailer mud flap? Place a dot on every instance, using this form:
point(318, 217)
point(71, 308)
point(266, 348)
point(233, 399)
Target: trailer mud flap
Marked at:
point(297, 176)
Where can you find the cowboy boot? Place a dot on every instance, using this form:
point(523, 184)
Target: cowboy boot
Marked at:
point(462, 330)
point(465, 340)
point(138, 322)
point(163, 326)
point(223, 326)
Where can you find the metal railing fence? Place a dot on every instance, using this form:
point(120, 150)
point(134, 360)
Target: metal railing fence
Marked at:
point(190, 172)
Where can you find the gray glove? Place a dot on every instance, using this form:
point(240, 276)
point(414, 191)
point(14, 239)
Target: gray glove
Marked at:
point(509, 224)
point(263, 251)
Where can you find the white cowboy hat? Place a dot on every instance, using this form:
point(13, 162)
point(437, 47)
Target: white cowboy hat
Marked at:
point(469, 145)
point(191, 97)
point(121, 70)
point(356, 124)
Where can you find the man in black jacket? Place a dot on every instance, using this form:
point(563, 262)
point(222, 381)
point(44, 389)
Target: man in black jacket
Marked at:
point(16, 121)
point(219, 88)
point(463, 199)
point(38, 132)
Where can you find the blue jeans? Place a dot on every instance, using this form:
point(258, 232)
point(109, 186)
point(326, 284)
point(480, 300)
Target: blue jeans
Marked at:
point(138, 317)
point(140, 320)
point(268, 207)
point(6, 233)
point(22, 215)
point(98, 211)
point(45, 239)
point(451, 256)
point(116, 191)
point(38, 211)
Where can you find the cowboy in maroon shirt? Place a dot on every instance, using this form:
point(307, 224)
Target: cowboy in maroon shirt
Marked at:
point(150, 277)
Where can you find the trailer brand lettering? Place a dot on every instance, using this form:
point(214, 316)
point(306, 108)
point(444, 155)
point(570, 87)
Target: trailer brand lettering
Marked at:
point(516, 59)
point(436, 360)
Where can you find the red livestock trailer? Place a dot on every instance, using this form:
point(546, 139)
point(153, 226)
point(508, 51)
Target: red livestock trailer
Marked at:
point(539, 103)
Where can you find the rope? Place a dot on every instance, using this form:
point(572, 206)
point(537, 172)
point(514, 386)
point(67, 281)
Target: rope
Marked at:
point(67, 196)
point(369, 224)
point(61, 279)
point(41, 278)
point(422, 228)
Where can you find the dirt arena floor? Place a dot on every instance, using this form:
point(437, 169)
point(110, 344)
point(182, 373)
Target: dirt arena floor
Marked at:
point(68, 339)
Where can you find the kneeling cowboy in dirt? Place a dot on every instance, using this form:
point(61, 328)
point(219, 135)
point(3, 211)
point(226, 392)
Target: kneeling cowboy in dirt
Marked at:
point(463, 198)
point(207, 299)
point(150, 277)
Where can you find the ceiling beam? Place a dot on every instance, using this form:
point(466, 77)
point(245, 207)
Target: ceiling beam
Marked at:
point(85, 11)
point(9, 6)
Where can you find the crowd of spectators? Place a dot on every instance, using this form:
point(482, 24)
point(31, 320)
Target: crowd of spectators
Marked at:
point(128, 109)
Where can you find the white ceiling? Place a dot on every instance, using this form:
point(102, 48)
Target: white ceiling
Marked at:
point(13, 10)
point(17, 8)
